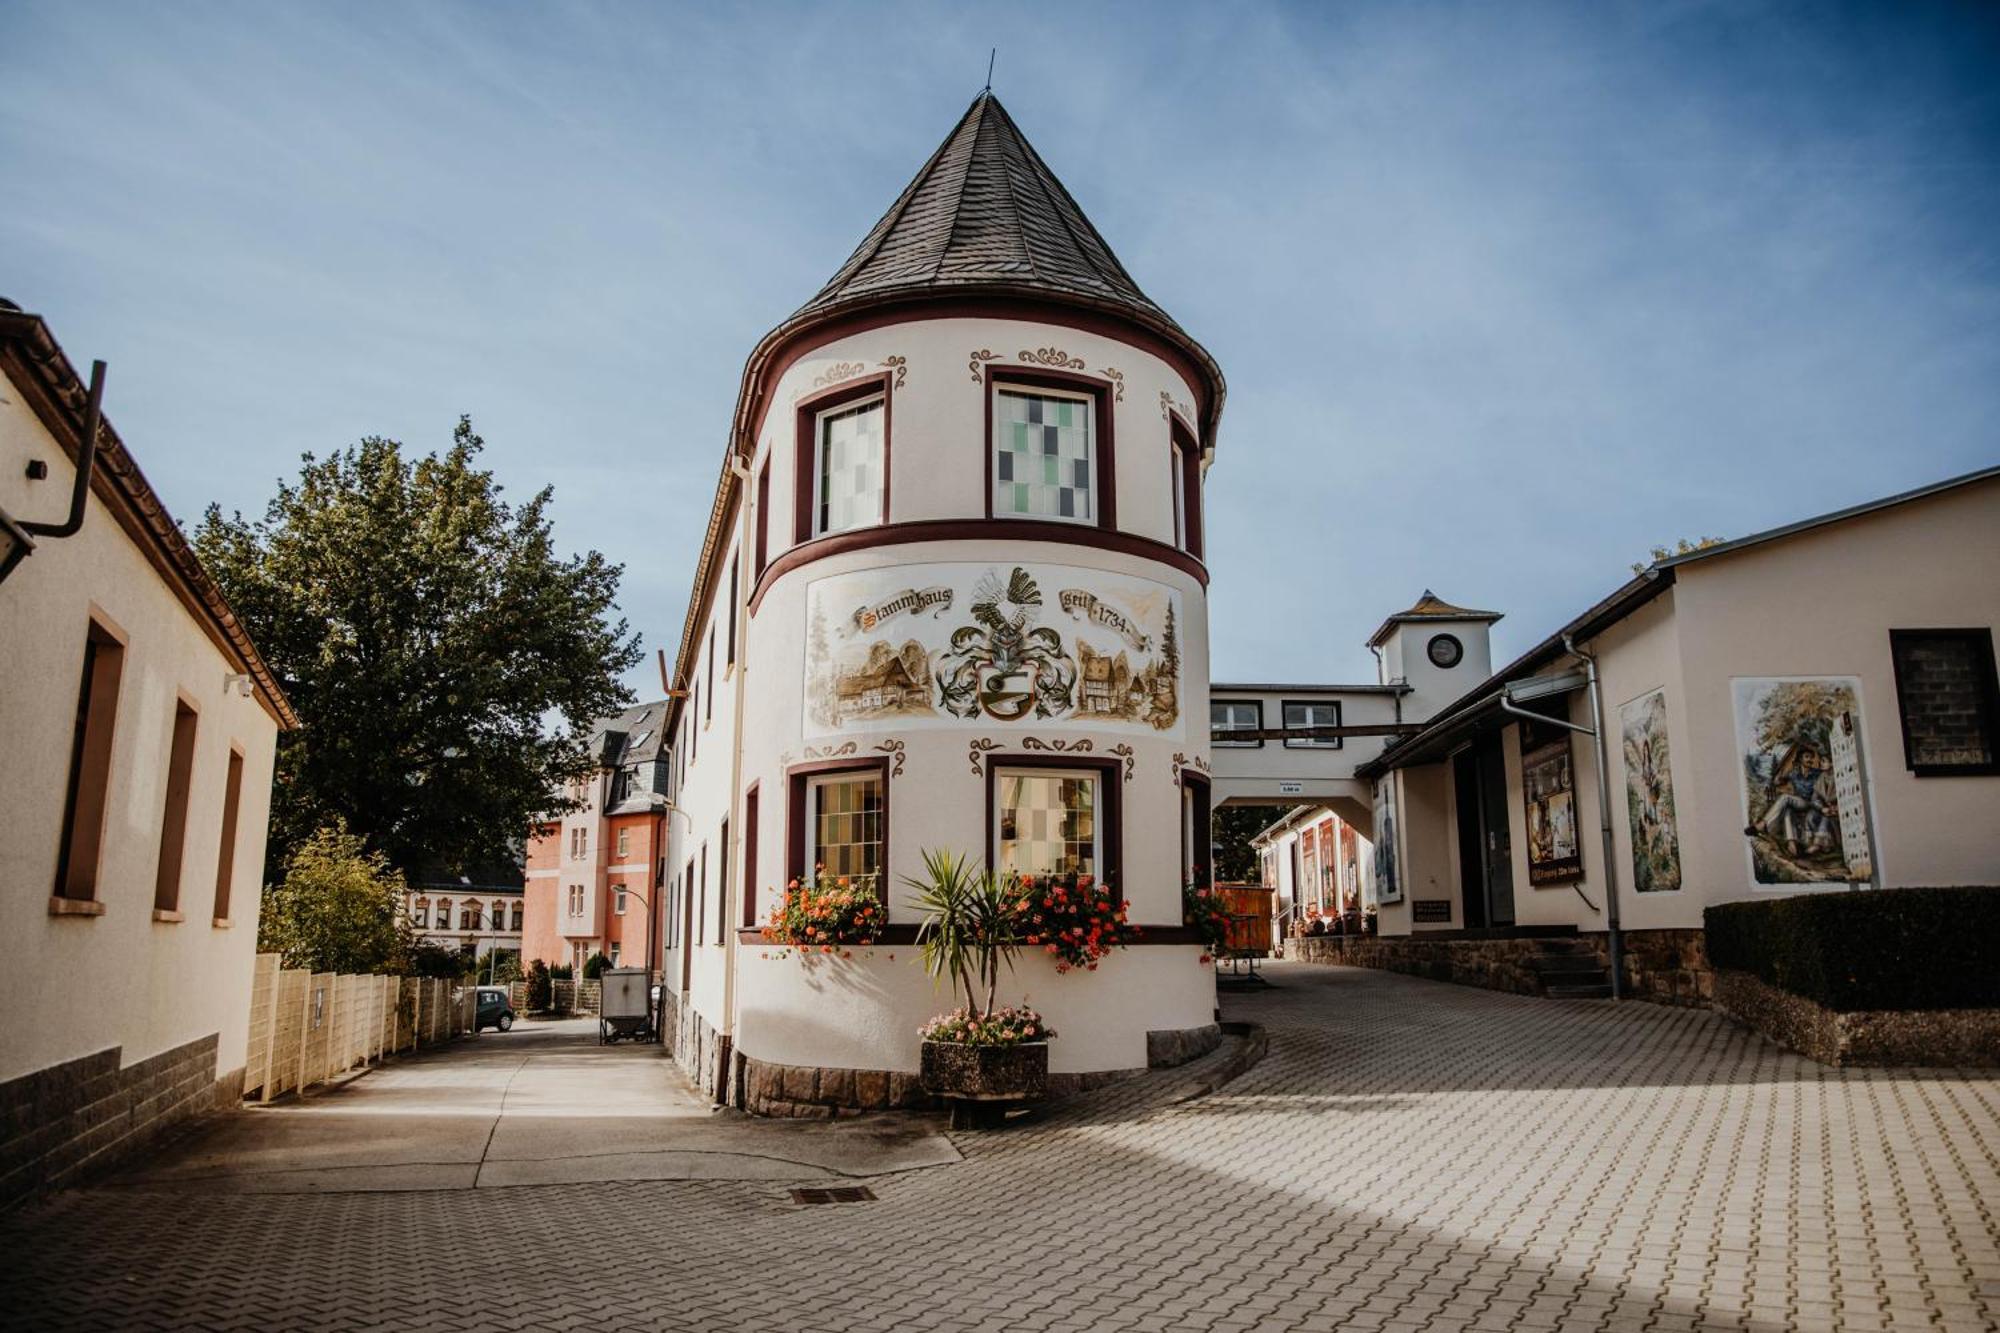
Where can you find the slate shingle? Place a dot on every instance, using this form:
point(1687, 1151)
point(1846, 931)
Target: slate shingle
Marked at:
point(984, 211)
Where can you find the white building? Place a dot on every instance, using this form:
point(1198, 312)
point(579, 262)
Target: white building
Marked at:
point(951, 596)
point(138, 726)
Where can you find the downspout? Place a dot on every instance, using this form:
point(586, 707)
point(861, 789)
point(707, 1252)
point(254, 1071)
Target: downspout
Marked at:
point(1397, 697)
point(86, 456)
point(741, 472)
point(1616, 943)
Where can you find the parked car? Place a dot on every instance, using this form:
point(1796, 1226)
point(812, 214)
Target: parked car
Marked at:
point(494, 1010)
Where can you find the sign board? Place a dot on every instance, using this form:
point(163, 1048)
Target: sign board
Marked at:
point(1291, 789)
point(1430, 911)
point(1856, 840)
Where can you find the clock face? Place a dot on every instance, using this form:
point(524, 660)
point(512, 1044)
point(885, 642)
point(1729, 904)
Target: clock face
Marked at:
point(1445, 651)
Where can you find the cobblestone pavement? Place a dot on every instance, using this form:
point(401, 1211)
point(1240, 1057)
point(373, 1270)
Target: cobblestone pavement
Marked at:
point(1408, 1155)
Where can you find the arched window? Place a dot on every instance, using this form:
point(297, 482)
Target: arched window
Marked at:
point(498, 919)
point(517, 916)
point(468, 916)
point(444, 914)
point(420, 911)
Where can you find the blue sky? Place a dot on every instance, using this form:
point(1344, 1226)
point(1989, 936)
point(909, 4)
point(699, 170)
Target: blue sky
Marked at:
point(1506, 294)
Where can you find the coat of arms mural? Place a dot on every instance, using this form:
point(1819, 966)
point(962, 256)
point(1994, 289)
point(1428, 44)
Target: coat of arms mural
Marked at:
point(1002, 643)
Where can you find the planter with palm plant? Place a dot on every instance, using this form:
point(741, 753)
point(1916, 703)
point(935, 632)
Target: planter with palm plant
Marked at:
point(981, 1056)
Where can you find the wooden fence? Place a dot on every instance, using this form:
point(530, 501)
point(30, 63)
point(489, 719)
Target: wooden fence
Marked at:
point(307, 1027)
point(568, 997)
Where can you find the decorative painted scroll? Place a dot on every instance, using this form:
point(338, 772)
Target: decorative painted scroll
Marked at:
point(894, 644)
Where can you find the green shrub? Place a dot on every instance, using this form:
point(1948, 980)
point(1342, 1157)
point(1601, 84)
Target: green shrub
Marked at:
point(541, 991)
point(1890, 949)
point(593, 966)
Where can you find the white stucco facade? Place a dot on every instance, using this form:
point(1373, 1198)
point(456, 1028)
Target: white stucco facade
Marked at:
point(863, 1013)
point(109, 968)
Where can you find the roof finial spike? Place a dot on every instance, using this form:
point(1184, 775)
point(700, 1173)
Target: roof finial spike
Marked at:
point(991, 56)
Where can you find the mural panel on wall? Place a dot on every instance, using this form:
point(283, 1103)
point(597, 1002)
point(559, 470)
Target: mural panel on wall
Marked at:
point(1804, 800)
point(946, 643)
point(1388, 874)
point(1548, 791)
point(1649, 795)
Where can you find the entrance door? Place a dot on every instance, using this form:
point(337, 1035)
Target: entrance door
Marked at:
point(1495, 839)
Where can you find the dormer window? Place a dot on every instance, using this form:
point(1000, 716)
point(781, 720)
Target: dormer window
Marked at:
point(1045, 455)
point(849, 459)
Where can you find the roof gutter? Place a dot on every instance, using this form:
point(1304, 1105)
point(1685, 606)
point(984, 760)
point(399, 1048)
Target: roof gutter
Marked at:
point(1629, 597)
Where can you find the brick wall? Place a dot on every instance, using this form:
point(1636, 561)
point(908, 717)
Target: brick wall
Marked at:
point(1939, 685)
point(61, 1123)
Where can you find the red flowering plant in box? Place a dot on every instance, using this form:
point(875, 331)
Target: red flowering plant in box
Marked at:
point(1203, 909)
point(823, 914)
point(1070, 917)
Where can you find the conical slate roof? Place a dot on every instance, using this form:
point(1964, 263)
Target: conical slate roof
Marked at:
point(986, 211)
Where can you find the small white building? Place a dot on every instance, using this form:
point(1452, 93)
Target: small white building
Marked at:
point(138, 725)
point(1807, 709)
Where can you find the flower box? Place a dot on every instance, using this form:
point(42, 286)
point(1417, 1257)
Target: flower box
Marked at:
point(986, 1073)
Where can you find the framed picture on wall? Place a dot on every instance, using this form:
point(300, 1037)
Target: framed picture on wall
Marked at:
point(1388, 873)
point(1548, 795)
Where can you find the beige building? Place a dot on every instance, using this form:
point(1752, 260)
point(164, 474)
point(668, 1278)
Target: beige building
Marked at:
point(1807, 709)
point(138, 725)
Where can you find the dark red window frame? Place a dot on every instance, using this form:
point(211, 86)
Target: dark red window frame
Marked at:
point(796, 778)
point(1202, 819)
point(750, 800)
point(1181, 437)
point(1111, 806)
point(1102, 442)
point(806, 448)
point(763, 518)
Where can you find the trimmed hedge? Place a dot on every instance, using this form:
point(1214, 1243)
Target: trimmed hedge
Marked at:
point(1852, 952)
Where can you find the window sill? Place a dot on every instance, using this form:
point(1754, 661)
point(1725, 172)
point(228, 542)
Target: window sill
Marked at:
point(168, 916)
point(60, 906)
point(222, 923)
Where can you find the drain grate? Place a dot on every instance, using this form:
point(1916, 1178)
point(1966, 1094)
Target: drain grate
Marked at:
point(840, 1194)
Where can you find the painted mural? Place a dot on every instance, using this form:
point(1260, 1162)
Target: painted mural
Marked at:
point(945, 643)
point(1548, 795)
point(1649, 795)
point(1804, 795)
point(1388, 875)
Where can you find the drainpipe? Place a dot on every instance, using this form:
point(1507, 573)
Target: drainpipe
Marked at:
point(86, 455)
point(741, 471)
point(1603, 766)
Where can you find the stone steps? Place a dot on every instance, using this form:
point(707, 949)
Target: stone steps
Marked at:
point(1572, 970)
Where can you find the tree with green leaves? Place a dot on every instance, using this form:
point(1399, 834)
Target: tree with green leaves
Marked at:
point(339, 908)
point(427, 632)
point(1236, 861)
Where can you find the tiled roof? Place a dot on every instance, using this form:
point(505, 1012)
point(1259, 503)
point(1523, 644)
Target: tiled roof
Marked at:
point(985, 211)
point(1429, 607)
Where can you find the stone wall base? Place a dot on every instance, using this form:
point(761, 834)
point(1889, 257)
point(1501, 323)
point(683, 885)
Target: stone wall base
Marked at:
point(762, 1087)
point(700, 1051)
point(62, 1124)
point(1176, 1046)
point(1494, 964)
point(1950, 1038)
point(1664, 966)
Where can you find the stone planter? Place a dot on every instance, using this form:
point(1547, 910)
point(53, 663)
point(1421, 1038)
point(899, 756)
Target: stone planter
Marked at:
point(986, 1073)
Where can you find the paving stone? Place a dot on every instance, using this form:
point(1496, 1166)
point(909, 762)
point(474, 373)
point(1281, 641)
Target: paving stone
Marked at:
point(1407, 1155)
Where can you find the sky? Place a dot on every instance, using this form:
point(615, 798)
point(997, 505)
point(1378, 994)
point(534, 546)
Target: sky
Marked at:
point(1505, 294)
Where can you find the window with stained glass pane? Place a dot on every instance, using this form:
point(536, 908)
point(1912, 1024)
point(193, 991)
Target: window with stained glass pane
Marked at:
point(848, 484)
point(1044, 464)
point(1047, 823)
point(845, 820)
